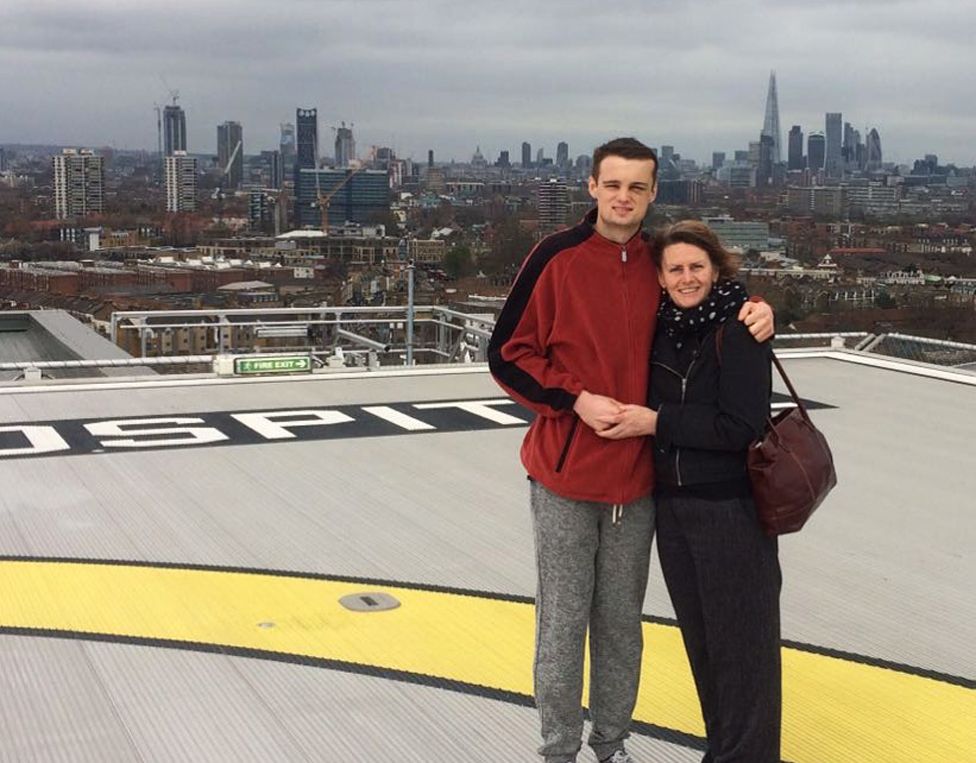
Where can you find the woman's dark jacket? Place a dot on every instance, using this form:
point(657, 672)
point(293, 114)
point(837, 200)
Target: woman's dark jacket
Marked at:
point(708, 412)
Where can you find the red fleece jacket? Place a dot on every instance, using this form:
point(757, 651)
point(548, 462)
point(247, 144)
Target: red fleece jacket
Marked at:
point(580, 316)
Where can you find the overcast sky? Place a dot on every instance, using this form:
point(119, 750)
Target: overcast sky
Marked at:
point(454, 75)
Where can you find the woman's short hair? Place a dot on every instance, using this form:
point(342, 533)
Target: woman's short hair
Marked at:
point(698, 234)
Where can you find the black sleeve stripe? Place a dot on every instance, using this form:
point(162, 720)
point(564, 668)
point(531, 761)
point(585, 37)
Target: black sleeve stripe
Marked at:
point(509, 373)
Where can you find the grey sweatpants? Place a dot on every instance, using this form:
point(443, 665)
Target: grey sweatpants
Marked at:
point(591, 572)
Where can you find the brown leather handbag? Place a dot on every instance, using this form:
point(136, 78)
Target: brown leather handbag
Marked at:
point(790, 466)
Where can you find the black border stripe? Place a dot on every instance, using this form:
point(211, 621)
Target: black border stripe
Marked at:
point(421, 679)
point(878, 662)
point(861, 659)
point(874, 662)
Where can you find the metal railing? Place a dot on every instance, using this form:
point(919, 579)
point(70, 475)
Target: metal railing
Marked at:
point(432, 332)
point(848, 339)
point(388, 336)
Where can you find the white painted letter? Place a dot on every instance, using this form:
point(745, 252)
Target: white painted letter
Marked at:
point(190, 435)
point(41, 439)
point(266, 426)
point(394, 416)
point(479, 408)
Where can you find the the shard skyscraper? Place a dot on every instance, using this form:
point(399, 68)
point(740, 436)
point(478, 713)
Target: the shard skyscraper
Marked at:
point(771, 122)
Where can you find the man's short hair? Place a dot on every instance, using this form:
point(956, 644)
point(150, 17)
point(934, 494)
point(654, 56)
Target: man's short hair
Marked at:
point(625, 148)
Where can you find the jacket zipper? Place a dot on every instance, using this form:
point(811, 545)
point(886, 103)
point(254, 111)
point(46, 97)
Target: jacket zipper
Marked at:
point(569, 441)
point(629, 335)
point(677, 455)
point(684, 386)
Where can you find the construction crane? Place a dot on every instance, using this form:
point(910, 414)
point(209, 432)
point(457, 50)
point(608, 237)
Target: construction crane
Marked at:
point(218, 194)
point(324, 199)
point(174, 94)
point(230, 162)
point(219, 190)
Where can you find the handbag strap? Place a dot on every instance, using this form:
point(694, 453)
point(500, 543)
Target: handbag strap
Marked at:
point(789, 386)
point(779, 367)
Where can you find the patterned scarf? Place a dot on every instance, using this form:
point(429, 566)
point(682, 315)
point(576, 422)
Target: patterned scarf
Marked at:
point(725, 299)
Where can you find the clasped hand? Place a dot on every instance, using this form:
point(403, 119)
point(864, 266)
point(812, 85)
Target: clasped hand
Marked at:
point(612, 419)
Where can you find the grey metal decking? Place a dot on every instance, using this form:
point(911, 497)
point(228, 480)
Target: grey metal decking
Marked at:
point(883, 573)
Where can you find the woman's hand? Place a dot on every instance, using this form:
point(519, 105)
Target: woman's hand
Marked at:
point(632, 421)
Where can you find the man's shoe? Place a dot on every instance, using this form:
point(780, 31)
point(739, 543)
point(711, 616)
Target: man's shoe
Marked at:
point(620, 756)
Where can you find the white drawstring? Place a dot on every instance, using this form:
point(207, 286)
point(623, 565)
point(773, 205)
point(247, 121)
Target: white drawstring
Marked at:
point(617, 513)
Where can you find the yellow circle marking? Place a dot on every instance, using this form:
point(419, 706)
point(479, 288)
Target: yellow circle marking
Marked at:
point(834, 709)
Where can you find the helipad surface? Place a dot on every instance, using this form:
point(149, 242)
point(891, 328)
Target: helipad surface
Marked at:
point(179, 600)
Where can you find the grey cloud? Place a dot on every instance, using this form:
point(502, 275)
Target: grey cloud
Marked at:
point(451, 75)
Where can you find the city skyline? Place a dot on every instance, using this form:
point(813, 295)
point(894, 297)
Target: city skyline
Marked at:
point(91, 77)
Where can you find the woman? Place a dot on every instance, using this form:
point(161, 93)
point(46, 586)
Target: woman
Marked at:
point(708, 400)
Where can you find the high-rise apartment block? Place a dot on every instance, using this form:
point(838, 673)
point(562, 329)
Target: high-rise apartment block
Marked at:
point(275, 168)
point(3, 160)
point(562, 155)
point(833, 157)
point(771, 120)
point(306, 157)
point(718, 159)
point(286, 144)
point(180, 173)
point(795, 149)
point(265, 211)
point(526, 155)
point(230, 154)
point(79, 183)
point(816, 151)
point(345, 146)
point(553, 201)
point(358, 196)
point(307, 147)
point(848, 151)
point(174, 129)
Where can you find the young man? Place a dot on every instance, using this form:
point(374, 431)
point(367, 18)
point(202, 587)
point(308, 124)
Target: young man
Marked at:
point(572, 343)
